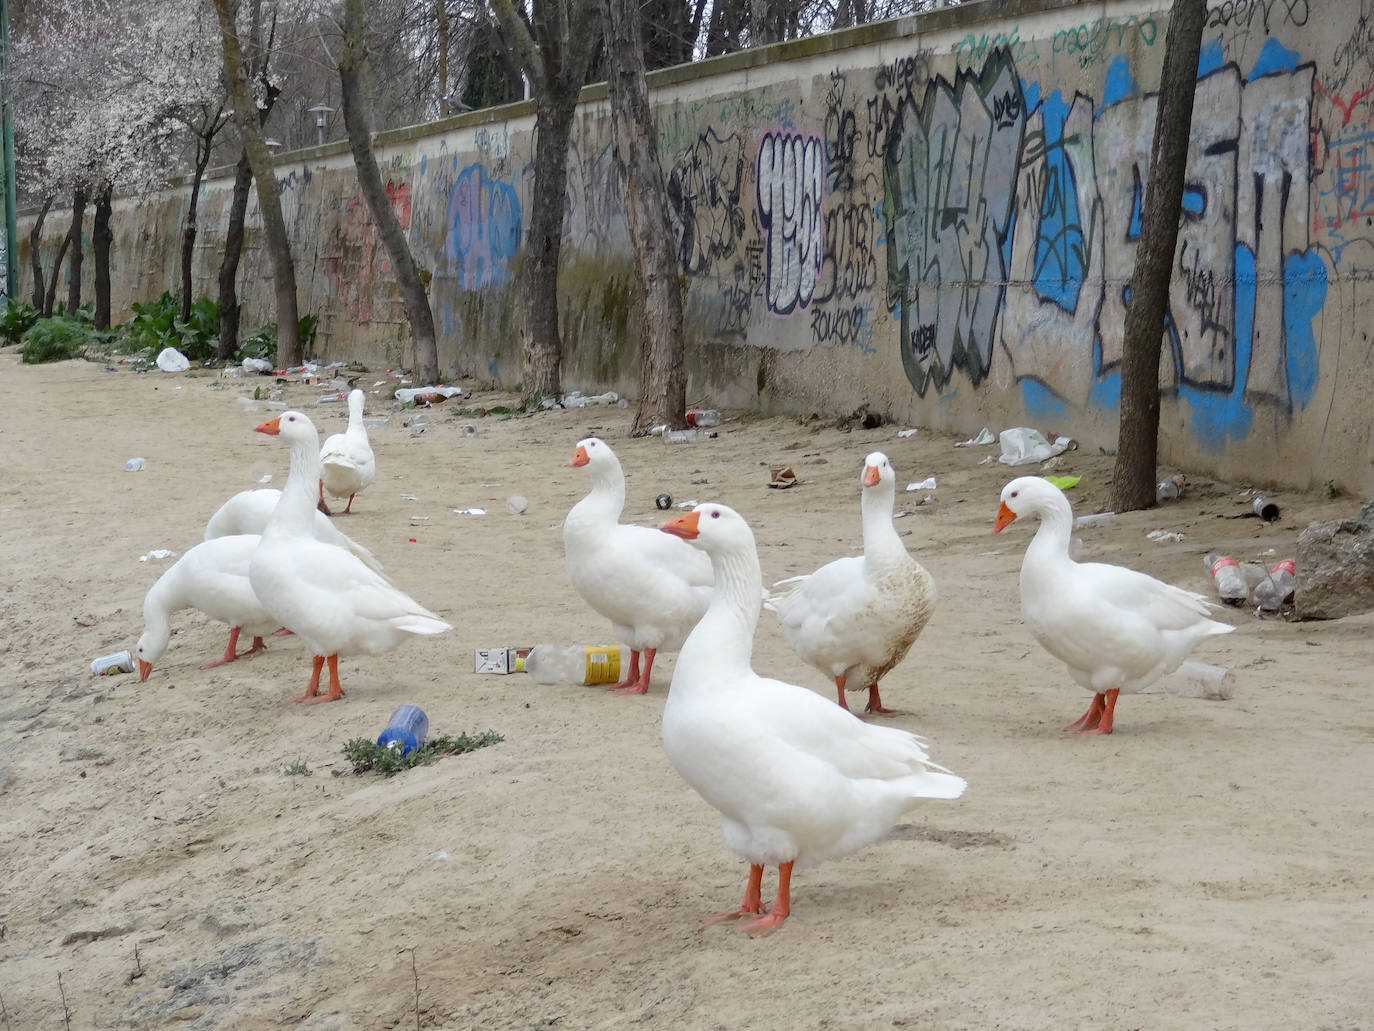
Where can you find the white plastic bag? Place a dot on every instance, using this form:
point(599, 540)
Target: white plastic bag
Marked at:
point(172, 360)
point(1021, 444)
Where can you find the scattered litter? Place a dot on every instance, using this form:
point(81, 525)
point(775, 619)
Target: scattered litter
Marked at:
point(517, 504)
point(984, 437)
point(110, 665)
point(409, 497)
point(469, 511)
point(134, 465)
point(900, 515)
point(248, 404)
point(782, 477)
point(927, 484)
point(1100, 520)
point(441, 856)
point(688, 504)
point(1064, 482)
point(419, 519)
point(257, 365)
point(1171, 487)
point(1163, 536)
point(172, 360)
point(1265, 509)
point(987, 459)
point(156, 553)
point(910, 432)
point(1021, 445)
point(375, 422)
point(431, 395)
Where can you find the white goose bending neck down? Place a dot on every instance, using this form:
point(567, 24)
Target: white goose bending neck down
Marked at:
point(796, 779)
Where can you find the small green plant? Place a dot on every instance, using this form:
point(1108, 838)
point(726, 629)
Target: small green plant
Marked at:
point(200, 334)
point(18, 320)
point(261, 343)
point(306, 328)
point(57, 339)
point(298, 769)
point(368, 756)
point(1332, 490)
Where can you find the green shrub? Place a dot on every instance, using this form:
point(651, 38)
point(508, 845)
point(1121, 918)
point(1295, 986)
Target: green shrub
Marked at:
point(200, 335)
point(261, 343)
point(157, 324)
point(57, 339)
point(18, 320)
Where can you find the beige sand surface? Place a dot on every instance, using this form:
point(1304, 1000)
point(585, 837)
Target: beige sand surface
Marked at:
point(1206, 866)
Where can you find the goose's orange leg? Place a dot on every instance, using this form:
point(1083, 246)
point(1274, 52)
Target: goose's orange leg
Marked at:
point(231, 652)
point(839, 686)
point(638, 685)
point(312, 690)
point(1103, 725)
point(753, 899)
point(632, 677)
point(1089, 718)
point(777, 912)
point(348, 507)
point(875, 703)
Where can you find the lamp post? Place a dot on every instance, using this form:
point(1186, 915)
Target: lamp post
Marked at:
point(321, 113)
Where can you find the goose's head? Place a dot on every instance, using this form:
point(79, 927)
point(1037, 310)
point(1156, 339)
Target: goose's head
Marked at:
point(1027, 494)
point(594, 452)
point(150, 648)
point(291, 427)
point(356, 400)
point(877, 469)
point(712, 527)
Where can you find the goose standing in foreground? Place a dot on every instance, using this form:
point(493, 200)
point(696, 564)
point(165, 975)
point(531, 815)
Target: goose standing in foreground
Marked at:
point(347, 464)
point(1115, 628)
point(651, 587)
point(248, 512)
point(796, 779)
point(856, 617)
point(328, 597)
point(211, 577)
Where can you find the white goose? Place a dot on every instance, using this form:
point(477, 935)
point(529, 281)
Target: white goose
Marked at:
point(211, 577)
point(856, 617)
point(329, 598)
point(796, 779)
point(347, 464)
point(249, 510)
point(652, 588)
point(1115, 628)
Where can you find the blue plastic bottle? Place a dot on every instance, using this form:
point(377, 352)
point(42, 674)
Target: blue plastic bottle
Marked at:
point(405, 730)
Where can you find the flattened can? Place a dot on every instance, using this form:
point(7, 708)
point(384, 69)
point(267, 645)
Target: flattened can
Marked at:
point(108, 665)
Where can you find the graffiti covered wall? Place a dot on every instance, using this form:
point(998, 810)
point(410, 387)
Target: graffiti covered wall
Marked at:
point(936, 216)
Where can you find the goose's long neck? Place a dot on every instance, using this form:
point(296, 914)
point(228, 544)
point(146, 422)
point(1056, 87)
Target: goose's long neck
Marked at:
point(1051, 540)
point(355, 415)
point(724, 637)
point(883, 546)
point(300, 494)
point(605, 501)
point(162, 599)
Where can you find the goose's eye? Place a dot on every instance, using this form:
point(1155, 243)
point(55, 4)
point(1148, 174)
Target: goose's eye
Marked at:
point(715, 514)
point(1015, 493)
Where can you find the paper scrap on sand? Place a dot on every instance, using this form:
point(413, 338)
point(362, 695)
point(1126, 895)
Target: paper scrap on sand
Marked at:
point(984, 437)
point(927, 484)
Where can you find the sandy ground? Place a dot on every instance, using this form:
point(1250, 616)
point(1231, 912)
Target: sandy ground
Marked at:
point(1206, 866)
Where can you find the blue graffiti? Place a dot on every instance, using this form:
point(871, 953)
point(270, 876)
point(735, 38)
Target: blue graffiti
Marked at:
point(1304, 294)
point(483, 228)
point(1219, 417)
point(1275, 57)
point(1060, 258)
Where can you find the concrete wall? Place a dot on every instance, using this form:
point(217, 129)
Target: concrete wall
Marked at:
point(936, 216)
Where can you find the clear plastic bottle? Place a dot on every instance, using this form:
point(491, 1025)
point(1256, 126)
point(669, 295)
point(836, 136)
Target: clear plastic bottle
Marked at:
point(687, 436)
point(406, 730)
point(1230, 581)
point(577, 663)
point(1275, 589)
point(1170, 487)
point(703, 417)
point(134, 465)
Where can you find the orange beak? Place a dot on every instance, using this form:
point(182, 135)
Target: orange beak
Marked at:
point(1004, 518)
point(684, 526)
point(870, 475)
point(579, 458)
point(144, 668)
point(271, 427)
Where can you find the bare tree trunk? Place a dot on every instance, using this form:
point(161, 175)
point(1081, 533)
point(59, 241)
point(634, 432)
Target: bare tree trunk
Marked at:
point(393, 237)
point(50, 298)
point(101, 241)
point(74, 240)
point(1133, 481)
point(229, 265)
point(662, 381)
point(269, 198)
point(188, 233)
point(35, 252)
point(543, 351)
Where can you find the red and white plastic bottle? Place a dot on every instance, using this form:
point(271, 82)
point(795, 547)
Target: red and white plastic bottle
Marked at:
point(1230, 581)
point(1277, 588)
